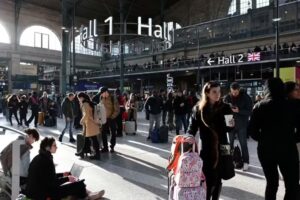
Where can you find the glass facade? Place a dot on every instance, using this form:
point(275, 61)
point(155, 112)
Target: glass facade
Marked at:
point(40, 37)
point(262, 3)
point(4, 35)
point(245, 5)
point(80, 49)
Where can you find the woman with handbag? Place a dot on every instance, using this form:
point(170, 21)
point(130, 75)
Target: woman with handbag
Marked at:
point(209, 118)
point(90, 125)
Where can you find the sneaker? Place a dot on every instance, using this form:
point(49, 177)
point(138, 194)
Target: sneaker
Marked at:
point(112, 150)
point(60, 138)
point(245, 167)
point(96, 195)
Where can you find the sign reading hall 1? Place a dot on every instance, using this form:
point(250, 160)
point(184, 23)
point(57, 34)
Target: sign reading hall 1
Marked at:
point(161, 32)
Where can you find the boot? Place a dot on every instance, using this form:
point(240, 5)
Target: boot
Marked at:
point(217, 192)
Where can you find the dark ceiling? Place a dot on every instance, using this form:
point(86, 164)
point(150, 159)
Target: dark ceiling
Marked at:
point(101, 9)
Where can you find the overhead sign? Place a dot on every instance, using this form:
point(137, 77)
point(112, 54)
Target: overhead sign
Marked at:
point(223, 60)
point(163, 32)
point(27, 69)
point(233, 59)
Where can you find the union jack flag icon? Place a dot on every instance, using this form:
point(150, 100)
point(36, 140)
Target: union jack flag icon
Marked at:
point(253, 57)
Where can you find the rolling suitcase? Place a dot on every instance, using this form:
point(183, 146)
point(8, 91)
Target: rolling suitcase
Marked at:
point(130, 127)
point(41, 119)
point(163, 134)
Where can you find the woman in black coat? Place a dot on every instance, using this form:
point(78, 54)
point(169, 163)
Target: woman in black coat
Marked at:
point(208, 118)
point(273, 124)
point(43, 182)
point(13, 106)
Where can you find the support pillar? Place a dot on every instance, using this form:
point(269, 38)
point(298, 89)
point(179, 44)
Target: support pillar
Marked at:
point(122, 3)
point(65, 64)
point(13, 69)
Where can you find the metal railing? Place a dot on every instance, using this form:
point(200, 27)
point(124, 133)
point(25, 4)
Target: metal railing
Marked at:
point(10, 186)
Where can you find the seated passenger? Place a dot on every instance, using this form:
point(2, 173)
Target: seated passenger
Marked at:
point(43, 182)
point(6, 154)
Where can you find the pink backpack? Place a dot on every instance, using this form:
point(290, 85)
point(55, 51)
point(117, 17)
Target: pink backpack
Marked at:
point(189, 179)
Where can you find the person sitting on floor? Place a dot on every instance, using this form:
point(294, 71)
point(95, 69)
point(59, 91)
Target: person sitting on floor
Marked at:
point(43, 182)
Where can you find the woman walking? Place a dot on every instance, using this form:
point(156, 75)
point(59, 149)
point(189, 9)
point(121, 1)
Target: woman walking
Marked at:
point(91, 127)
point(13, 105)
point(209, 118)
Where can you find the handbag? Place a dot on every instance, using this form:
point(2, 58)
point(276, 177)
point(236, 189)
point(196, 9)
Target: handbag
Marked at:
point(226, 162)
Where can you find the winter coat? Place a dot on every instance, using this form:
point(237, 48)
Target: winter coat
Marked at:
point(67, 107)
point(34, 103)
point(90, 125)
point(180, 110)
point(111, 106)
point(23, 105)
point(213, 130)
point(245, 105)
point(153, 105)
point(13, 105)
point(44, 104)
point(273, 124)
point(43, 181)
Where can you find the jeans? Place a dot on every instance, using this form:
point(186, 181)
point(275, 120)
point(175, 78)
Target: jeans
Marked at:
point(242, 136)
point(180, 119)
point(13, 112)
point(107, 128)
point(69, 124)
point(154, 118)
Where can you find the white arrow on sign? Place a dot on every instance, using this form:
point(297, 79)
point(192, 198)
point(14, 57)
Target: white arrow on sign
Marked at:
point(210, 61)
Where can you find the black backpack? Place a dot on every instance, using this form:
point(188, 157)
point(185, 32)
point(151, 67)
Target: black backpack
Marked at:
point(237, 157)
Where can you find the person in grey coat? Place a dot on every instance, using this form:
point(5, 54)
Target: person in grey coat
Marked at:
point(241, 106)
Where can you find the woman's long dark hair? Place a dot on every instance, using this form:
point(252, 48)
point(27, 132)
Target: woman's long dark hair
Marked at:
point(206, 89)
point(86, 99)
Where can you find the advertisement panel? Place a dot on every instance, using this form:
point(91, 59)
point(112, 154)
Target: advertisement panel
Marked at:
point(287, 74)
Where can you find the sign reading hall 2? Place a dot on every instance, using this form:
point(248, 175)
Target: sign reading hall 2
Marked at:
point(233, 59)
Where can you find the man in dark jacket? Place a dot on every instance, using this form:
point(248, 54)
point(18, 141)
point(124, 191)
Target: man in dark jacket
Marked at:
point(241, 105)
point(273, 125)
point(67, 107)
point(34, 105)
point(180, 110)
point(153, 106)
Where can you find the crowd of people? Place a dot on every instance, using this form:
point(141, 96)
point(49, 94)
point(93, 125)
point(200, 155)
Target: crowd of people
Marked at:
point(273, 122)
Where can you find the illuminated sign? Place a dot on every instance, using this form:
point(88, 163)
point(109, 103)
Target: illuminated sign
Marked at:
point(223, 60)
point(163, 32)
